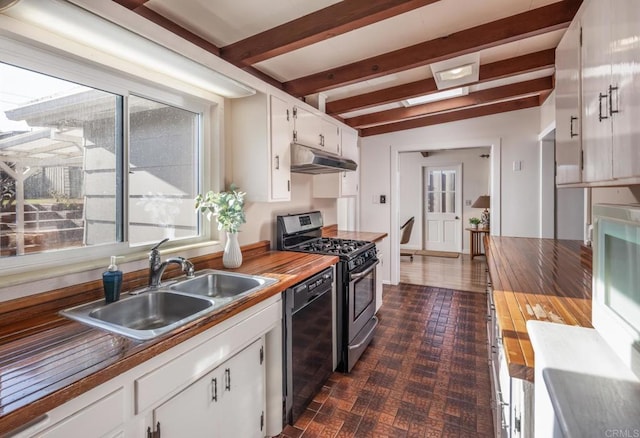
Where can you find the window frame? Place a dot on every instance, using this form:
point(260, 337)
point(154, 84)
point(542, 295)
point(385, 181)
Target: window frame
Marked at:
point(46, 60)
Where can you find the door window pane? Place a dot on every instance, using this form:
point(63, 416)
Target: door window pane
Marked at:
point(162, 158)
point(58, 147)
point(441, 191)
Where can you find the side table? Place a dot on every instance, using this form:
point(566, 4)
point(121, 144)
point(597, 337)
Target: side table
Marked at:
point(476, 235)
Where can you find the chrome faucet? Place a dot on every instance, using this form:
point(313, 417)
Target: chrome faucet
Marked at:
point(157, 267)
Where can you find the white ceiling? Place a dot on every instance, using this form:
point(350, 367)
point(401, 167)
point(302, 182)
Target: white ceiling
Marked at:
point(223, 22)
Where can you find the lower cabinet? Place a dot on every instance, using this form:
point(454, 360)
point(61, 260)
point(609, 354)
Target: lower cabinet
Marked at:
point(228, 401)
point(511, 398)
point(212, 385)
point(103, 418)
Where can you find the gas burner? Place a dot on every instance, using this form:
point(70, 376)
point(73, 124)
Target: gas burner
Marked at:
point(333, 246)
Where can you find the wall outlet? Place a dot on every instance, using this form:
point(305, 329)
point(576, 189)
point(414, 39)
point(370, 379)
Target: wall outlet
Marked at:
point(383, 199)
point(467, 202)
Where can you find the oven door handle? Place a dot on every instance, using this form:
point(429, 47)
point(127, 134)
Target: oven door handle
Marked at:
point(364, 273)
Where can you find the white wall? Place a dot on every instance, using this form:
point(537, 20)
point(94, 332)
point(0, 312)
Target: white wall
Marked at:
point(570, 213)
point(517, 132)
point(261, 216)
point(548, 112)
point(475, 182)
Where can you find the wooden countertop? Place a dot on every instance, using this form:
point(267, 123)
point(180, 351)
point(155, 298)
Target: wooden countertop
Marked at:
point(333, 231)
point(535, 279)
point(46, 360)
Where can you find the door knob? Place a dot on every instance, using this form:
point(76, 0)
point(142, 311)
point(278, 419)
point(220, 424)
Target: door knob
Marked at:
point(457, 218)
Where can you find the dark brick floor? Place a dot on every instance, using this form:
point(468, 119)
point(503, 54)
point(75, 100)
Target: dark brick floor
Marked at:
point(425, 374)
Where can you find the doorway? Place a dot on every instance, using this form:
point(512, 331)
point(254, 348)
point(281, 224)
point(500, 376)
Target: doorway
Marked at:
point(442, 208)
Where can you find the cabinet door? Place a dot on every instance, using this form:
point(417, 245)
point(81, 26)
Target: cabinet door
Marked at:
point(243, 394)
point(228, 401)
point(307, 128)
point(596, 76)
point(568, 114)
point(331, 137)
point(280, 150)
point(193, 412)
point(625, 90)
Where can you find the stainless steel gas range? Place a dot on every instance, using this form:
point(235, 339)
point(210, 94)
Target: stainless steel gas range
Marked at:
point(355, 280)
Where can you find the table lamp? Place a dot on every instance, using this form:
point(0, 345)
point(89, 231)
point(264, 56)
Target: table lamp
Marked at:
point(483, 202)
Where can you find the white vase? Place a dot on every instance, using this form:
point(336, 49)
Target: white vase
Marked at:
point(232, 256)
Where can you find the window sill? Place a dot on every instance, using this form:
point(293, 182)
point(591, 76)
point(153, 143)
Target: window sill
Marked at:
point(23, 284)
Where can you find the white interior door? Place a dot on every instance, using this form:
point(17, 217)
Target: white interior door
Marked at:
point(442, 206)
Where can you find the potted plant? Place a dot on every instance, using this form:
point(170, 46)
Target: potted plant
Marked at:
point(228, 209)
point(474, 221)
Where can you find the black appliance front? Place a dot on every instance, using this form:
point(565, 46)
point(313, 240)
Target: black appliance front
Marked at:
point(356, 293)
point(308, 321)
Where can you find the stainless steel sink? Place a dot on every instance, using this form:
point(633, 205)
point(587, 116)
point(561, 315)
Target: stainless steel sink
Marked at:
point(154, 312)
point(143, 316)
point(221, 284)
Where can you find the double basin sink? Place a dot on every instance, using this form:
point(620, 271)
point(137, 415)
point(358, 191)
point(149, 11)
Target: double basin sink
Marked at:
point(154, 312)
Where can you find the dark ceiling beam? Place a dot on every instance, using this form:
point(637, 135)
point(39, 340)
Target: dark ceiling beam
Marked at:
point(488, 72)
point(491, 95)
point(131, 4)
point(318, 26)
point(138, 7)
point(527, 24)
point(453, 116)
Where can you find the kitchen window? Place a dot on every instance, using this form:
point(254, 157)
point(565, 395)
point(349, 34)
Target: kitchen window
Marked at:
point(85, 171)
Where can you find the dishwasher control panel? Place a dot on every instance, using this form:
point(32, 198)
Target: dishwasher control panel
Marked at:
point(311, 288)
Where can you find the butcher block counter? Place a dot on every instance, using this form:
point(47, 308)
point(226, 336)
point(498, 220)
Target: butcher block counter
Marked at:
point(47, 360)
point(536, 279)
point(333, 231)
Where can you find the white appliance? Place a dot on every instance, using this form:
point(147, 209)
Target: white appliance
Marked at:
point(616, 279)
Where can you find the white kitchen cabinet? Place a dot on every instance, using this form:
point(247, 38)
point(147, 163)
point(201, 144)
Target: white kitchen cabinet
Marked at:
point(102, 418)
point(340, 184)
point(568, 107)
point(596, 78)
point(261, 135)
point(610, 92)
point(625, 76)
point(312, 129)
point(307, 128)
point(330, 137)
point(379, 271)
point(512, 399)
point(228, 401)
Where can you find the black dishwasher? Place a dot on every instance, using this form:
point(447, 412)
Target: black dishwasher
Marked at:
point(308, 341)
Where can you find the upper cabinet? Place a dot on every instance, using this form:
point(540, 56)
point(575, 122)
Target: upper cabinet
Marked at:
point(610, 93)
point(340, 184)
point(568, 104)
point(261, 135)
point(310, 129)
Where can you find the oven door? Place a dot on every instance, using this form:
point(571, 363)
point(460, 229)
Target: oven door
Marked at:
point(361, 298)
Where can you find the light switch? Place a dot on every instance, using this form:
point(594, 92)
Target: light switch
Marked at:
point(517, 166)
point(467, 202)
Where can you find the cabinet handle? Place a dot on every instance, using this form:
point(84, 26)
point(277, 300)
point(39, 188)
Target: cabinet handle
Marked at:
point(611, 110)
point(214, 389)
point(571, 133)
point(155, 433)
point(227, 376)
point(600, 116)
point(277, 162)
point(321, 140)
